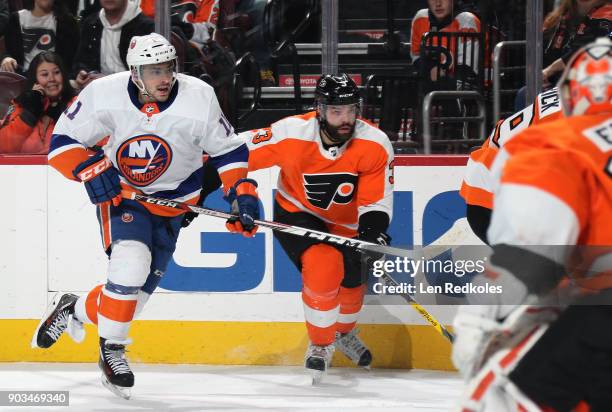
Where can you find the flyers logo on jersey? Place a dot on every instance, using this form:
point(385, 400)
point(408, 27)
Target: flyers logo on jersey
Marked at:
point(324, 189)
point(143, 159)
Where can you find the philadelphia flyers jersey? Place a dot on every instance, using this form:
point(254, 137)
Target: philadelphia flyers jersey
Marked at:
point(464, 22)
point(157, 147)
point(554, 187)
point(193, 11)
point(567, 163)
point(477, 185)
point(336, 185)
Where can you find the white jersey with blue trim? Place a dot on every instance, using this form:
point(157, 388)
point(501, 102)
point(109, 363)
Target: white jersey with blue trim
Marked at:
point(156, 147)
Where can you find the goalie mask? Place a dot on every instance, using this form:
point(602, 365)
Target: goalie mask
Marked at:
point(586, 83)
point(146, 51)
point(338, 105)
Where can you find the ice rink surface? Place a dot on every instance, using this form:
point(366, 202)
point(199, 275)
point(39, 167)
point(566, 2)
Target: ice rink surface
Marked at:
point(186, 388)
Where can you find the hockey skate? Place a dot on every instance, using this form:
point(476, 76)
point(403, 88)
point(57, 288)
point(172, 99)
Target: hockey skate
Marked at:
point(117, 376)
point(317, 360)
point(58, 317)
point(354, 348)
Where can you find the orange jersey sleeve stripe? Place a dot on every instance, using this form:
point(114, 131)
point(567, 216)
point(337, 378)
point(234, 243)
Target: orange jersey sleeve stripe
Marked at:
point(65, 162)
point(476, 196)
point(230, 177)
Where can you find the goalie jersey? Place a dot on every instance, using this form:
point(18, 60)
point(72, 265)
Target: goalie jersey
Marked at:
point(477, 185)
point(565, 168)
point(338, 184)
point(156, 147)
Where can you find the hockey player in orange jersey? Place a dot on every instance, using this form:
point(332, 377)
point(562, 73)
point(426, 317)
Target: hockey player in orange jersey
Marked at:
point(477, 185)
point(552, 219)
point(336, 175)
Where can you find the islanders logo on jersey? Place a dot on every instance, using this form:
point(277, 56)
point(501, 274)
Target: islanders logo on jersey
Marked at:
point(324, 189)
point(143, 159)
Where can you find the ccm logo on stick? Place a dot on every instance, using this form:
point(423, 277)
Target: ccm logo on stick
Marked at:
point(162, 202)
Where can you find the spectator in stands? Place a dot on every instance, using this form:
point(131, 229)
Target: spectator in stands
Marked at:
point(433, 63)
point(572, 25)
point(440, 16)
point(567, 28)
point(195, 20)
point(105, 38)
point(46, 26)
point(4, 16)
point(28, 125)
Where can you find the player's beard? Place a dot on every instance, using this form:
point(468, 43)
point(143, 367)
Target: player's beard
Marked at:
point(334, 134)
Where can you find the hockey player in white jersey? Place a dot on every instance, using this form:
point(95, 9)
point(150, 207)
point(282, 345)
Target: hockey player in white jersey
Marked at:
point(158, 122)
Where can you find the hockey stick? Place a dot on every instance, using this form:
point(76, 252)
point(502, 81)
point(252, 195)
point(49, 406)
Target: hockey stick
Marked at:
point(360, 245)
point(422, 311)
point(434, 249)
point(329, 238)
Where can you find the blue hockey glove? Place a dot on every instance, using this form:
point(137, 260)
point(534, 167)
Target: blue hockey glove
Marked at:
point(244, 203)
point(101, 179)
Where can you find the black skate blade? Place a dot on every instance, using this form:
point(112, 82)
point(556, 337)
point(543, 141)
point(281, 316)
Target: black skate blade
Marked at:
point(54, 302)
point(124, 393)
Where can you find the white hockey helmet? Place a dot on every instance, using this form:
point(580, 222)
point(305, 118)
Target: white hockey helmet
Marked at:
point(586, 83)
point(149, 49)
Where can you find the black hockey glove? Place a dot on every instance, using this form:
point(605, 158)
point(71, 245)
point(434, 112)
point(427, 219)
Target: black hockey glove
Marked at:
point(372, 228)
point(33, 103)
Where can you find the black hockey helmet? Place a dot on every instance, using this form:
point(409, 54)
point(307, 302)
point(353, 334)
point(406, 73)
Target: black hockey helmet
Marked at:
point(336, 90)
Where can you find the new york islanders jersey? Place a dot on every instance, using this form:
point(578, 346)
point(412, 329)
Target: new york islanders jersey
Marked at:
point(156, 147)
point(338, 184)
point(477, 185)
